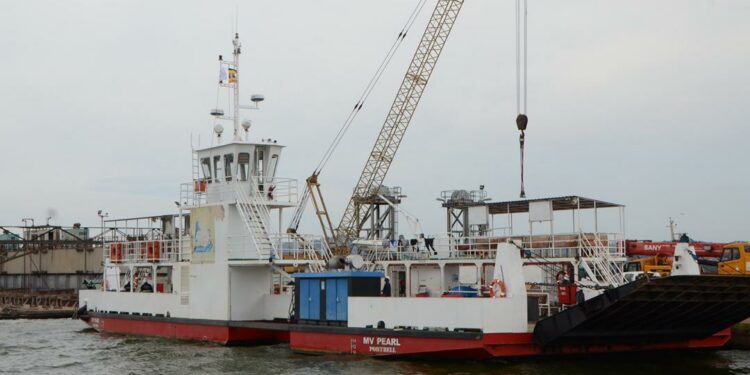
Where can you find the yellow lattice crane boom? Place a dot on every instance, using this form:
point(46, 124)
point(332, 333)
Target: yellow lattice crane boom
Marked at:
point(404, 105)
point(387, 143)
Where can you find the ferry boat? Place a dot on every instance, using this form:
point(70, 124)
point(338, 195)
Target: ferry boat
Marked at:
point(503, 281)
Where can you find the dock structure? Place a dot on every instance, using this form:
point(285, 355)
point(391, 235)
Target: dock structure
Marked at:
point(42, 267)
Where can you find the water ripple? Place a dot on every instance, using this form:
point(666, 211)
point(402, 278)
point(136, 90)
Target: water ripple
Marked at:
point(69, 347)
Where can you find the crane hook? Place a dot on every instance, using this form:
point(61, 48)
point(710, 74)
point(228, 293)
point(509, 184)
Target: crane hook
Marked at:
point(521, 122)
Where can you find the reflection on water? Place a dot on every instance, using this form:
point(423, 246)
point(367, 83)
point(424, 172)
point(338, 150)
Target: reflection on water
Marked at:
point(68, 347)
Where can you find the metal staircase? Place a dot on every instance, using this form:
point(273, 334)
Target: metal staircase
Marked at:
point(255, 215)
point(318, 259)
point(598, 262)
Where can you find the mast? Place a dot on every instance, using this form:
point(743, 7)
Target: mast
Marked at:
point(236, 108)
point(229, 78)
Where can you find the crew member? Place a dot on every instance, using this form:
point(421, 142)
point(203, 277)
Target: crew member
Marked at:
point(387, 288)
point(146, 287)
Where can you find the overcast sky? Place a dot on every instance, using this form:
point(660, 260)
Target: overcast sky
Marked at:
point(643, 103)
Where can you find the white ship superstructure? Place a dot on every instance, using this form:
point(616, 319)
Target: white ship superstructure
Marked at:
point(222, 258)
point(514, 278)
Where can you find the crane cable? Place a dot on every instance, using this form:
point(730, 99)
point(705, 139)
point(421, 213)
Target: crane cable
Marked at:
point(370, 86)
point(357, 107)
point(521, 119)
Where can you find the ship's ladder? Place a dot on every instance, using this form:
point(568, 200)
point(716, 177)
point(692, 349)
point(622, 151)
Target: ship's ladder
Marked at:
point(255, 215)
point(598, 262)
point(317, 258)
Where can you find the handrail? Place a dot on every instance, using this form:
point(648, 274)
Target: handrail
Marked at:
point(265, 215)
point(302, 248)
point(147, 251)
point(563, 245)
point(599, 255)
point(250, 201)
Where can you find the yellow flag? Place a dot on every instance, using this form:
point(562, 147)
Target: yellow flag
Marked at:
point(232, 76)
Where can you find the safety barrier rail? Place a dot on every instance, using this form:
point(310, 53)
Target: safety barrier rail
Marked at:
point(154, 251)
point(539, 246)
point(278, 190)
point(193, 194)
point(303, 248)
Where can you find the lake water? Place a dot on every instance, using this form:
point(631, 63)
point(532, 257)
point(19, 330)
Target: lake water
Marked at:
point(70, 347)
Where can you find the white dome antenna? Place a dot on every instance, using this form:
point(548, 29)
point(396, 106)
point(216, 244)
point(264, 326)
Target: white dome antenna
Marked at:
point(218, 129)
point(246, 124)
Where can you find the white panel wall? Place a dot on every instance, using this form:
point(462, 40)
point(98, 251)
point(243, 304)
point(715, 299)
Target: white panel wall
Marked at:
point(533, 274)
point(479, 215)
point(429, 276)
point(248, 287)
point(277, 306)
point(152, 303)
point(491, 315)
point(209, 283)
point(209, 292)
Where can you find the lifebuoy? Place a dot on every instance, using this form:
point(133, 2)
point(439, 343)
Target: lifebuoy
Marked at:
point(497, 289)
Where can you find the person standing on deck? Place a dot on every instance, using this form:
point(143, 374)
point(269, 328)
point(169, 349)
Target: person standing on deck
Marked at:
point(386, 288)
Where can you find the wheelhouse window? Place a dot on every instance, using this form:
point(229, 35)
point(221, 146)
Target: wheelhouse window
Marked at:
point(633, 267)
point(272, 166)
point(206, 167)
point(217, 168)
point(259, 168)
point(259, 165)
point(228, 166)
point(243, 164)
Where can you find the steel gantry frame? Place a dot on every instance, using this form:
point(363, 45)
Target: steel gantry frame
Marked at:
point(404, 105)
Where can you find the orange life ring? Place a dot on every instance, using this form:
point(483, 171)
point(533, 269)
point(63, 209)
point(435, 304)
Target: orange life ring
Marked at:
point(497, 289)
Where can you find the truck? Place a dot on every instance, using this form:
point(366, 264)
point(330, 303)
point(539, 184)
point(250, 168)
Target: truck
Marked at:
point(731, 258)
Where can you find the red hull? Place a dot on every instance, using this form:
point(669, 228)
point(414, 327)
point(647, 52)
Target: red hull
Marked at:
point(224, 333)
point(480, 347)
point(368, 342)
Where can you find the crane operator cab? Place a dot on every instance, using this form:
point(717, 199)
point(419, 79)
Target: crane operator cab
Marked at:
point(735, 259)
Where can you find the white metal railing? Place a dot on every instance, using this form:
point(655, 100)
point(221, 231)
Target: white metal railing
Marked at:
point(264, 215)
point(193, 194)
point(153, 251)
point(314, 248)
point(598, 262)
point(539, 246)
point(186, 249)
point(276, 189)
point(255, 215)
point(301, 248)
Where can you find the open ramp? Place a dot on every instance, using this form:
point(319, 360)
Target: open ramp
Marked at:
point(651, 310)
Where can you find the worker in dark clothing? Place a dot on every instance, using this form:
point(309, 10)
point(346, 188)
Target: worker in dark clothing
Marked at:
point(387, 288)
point(429, 244)
point(146, 287)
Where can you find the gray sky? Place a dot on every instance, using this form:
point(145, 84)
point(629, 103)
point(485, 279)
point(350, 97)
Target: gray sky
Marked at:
point(638, 102)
